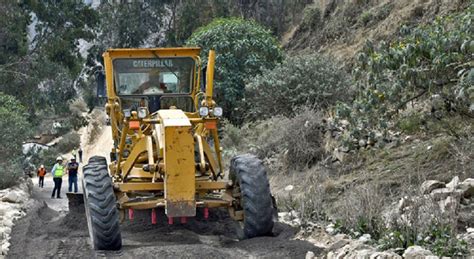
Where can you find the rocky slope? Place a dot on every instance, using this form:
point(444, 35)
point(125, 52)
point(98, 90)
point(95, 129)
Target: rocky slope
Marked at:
point(341, 28)
point(453, 201)
point(14, 203)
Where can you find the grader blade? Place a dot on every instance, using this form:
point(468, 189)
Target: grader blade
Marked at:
point(75, 202)
point(179, 164)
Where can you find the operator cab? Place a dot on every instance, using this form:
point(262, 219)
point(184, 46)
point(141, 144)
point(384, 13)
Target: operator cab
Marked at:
point(156, 83)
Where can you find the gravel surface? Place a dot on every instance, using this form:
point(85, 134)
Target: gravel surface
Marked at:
point(50, 231)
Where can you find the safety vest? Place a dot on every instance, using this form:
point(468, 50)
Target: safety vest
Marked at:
point(59, 171)
point(41, 172)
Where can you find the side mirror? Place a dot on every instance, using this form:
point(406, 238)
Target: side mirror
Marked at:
point(100, 78)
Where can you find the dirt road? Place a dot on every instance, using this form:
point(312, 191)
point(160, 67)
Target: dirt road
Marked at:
point(50, 231)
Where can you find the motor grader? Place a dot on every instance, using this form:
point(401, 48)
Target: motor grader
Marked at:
point(166, 151)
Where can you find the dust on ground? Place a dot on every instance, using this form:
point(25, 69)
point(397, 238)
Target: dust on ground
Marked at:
point(55, 233)
point(49, 230)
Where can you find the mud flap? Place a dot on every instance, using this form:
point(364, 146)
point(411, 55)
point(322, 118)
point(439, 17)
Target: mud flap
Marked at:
point(75, 202)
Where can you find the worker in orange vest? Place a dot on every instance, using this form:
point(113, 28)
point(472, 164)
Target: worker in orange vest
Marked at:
point(41, 173)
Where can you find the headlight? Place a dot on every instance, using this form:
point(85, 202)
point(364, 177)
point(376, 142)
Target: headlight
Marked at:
point(217, 111)
point(203, 111)
point(142, 112)
point(127, 113)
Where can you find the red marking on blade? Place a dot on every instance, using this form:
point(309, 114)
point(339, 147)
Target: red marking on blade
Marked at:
point(183, 220)
point(153, 216)
point(170, 220)
point(206, 213)
point(130, 214)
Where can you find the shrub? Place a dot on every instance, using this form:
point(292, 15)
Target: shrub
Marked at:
point(243, 49)
point(311, 17)
point(305, 80)
point(10, 173)
point(297, 141)
point(437, 237)
point(433, 59)
point(77, 107)
point(68, 142)
point(360, 211)
point(76, 119)
point(309, 205)
point(411, 123)
point(365, 17)
point(14, 129)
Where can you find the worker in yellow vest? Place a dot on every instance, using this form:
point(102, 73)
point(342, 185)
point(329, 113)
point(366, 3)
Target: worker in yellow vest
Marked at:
point(58, 171)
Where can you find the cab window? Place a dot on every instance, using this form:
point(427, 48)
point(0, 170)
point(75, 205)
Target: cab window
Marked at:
point(155, 76)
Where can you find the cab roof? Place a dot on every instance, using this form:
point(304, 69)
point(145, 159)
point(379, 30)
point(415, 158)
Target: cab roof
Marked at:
point(152, 52)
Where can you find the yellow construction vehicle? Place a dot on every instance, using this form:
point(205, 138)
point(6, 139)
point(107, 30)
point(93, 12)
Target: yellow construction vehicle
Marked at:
point(166, 151)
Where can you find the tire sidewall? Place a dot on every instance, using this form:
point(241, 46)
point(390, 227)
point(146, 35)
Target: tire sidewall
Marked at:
point(88, 214)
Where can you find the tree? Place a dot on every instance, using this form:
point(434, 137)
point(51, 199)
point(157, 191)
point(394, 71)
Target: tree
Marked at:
point(427, 62)
point(39, 72)
point(132, 24)
point(243, 49)
point(304, 80)
point(60, 25)
point(14, 129)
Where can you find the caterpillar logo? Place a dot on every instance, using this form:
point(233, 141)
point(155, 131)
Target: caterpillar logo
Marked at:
point(152, 63)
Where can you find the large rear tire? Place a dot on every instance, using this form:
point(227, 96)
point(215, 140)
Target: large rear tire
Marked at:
point(249, 176)
point(101, 206)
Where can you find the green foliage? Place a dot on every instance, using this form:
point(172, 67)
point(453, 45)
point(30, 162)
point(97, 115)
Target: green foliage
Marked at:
point(243, 49)
point(277, 15)
point(130, 25)
point(14, 129)
point(411, 123)
point(438, 238)
point(295, 141)
point(10, 173)
point(366, 17)
point(193, 14)
point(433, 59)
point(311, 17)
point(41, 73)
point(68, 142)
point(13, 40)
point(46, 157)
point(70, 21)
point(305, 80)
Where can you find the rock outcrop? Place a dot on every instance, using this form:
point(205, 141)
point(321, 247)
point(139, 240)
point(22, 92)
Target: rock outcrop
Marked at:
point(452, 201)
point(13, 205)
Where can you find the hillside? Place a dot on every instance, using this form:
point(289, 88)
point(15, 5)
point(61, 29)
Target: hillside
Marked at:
point(358, 113)
point(341, 28)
